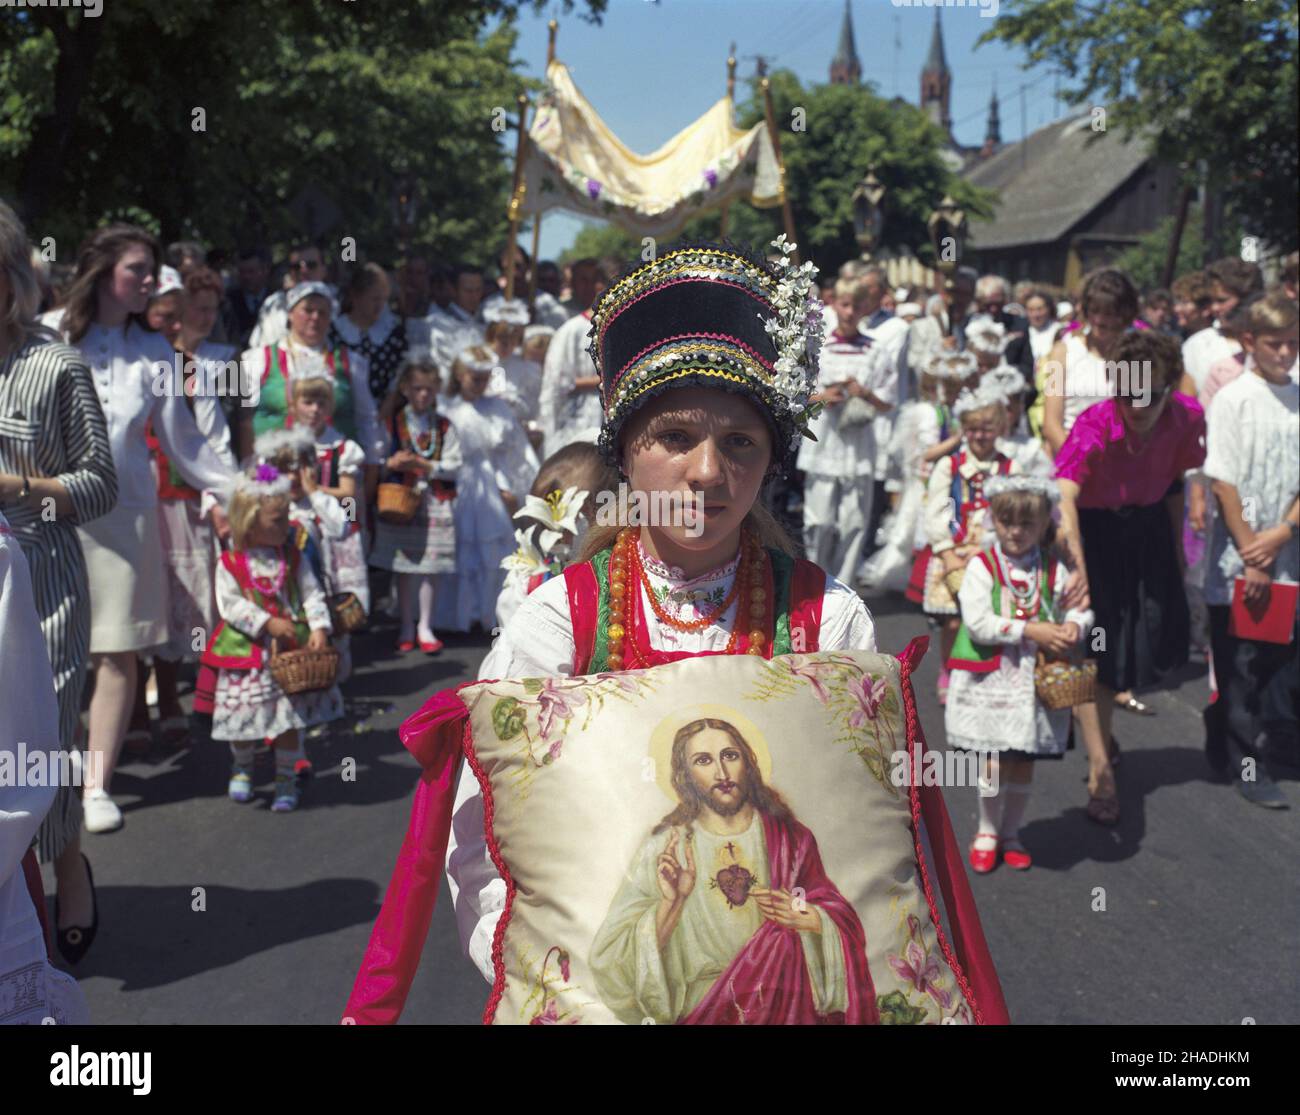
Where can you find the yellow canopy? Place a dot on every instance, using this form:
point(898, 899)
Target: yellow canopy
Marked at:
point(573, 161)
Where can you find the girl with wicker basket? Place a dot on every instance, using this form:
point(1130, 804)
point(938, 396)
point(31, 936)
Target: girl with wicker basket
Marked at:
point(424, 459)
point(1011, 610)
point(270, 603)
point(956, 509)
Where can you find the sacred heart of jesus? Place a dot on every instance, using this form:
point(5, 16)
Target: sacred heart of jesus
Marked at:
point(734, 882)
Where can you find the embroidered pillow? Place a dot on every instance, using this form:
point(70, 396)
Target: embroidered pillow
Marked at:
point(725, 839)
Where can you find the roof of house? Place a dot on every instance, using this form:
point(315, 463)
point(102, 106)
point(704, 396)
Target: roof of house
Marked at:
point(1048, 182)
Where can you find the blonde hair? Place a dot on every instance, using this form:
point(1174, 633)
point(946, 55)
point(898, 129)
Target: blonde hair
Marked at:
point(312, 387)
point(997, 410)
point(242, 514)
point(1274, 312)
point(856, 287)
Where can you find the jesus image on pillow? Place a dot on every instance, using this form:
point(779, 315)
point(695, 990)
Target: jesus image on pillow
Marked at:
point(726, 914)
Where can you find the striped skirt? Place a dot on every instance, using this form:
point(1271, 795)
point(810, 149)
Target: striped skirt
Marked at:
point(59, 584)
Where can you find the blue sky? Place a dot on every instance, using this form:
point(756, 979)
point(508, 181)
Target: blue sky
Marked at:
point(651, 68)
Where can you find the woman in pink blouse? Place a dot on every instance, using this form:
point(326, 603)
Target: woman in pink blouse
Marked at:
point(1120, 473)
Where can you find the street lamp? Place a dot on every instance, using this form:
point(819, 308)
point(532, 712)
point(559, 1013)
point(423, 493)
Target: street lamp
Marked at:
point(868, 213)
point(404, 209)
point(947, 225)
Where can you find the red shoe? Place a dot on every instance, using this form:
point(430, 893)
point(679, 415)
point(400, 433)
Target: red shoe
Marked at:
point(1016, 857)
point(405, 645)
point(984, 860)
point(431, 648)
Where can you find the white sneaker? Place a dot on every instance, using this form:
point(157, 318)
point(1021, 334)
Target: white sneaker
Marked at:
point(102, 814)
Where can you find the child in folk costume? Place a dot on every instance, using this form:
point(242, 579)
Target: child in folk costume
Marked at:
point(424, 454)
point(266, 591)
point(1011, 608)
point(498, 469)
point(986, 340)
point(1018, 443)
point(956, 510)
point(553, 521)
point(839, 466)
point(515, 378)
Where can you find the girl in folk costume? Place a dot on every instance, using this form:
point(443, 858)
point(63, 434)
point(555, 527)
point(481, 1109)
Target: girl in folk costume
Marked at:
point(554, 520)
point(267, 373)
point(515, 379)
point(424, 454)
point(189, 520)
point(116, 270)
point(265, 591)
point(922, 424)
point(956, 510)
point(498, 469)
point(1018, 443)
point(1011, 608)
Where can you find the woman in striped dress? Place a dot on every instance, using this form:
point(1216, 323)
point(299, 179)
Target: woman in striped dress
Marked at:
point(54, 454)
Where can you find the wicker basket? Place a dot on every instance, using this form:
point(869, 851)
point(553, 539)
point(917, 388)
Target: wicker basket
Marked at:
point(305, 670)
point(1063, 683)
point(397, 503)
point(346, 613)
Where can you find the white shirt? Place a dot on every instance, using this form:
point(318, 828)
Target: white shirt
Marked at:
point(32, 722)
point(538, 642)
point(450, 331)
point(1085, 379)
point(134, 372)
point(1253, 443)
point(568, 415)
point(1203, 349)
point(518, 381)
point(846, 451)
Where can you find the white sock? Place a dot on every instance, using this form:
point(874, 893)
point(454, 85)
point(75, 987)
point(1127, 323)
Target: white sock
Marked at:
point(1013, 809)
point(425, 630)
point(990, 811)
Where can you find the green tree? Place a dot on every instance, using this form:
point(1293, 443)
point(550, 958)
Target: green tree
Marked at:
point(1212, 84)
point(212, 119)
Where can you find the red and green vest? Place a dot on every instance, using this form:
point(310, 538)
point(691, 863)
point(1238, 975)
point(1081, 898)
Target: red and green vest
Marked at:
point(984, 658)
point(400, 437)
point(968, 494)
point(273, 410)
point(794, 587)
point(229, 648)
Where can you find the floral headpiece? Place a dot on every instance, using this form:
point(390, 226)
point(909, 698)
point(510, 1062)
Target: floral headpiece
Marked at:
point(983, 396)
point(512, 311)
point(262, 481)
point(1010, 381)
point(477, 358)
point(952, 365)
point(711, 315)
point(986, 336)
point(276, 443)
point(1020, 482)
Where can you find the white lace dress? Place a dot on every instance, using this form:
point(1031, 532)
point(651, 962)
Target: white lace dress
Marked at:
point(538, 642)
point(249, 704)
point(999, 710)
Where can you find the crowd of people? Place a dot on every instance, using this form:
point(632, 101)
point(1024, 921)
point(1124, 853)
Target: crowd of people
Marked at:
point(212, 480)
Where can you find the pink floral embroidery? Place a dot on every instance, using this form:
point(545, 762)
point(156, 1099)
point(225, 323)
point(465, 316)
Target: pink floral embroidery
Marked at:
point(557, 702)
point(868, 692)
point(921, 972)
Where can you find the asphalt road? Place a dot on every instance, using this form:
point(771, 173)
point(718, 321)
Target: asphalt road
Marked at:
point(1200, 888)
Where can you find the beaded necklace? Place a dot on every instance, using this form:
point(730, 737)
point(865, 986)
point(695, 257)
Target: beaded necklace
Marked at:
point(271, 589)
point(1026, 600)
point(748, 587)
point(418, 434)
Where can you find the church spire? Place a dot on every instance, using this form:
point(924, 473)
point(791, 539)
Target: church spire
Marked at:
point(994, 133)
point(845, 67)
point(936, 80)
point(935, 61)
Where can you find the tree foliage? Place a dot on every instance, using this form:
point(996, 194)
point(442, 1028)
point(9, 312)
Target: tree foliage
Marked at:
point(1213, 83)
point(317, 102)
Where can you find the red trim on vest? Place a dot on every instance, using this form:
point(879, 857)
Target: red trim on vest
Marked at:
point(584, 601)
point(807, 592)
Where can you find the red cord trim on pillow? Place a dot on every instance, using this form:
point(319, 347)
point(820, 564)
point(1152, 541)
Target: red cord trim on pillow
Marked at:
point(498, 937)
point(907, 660)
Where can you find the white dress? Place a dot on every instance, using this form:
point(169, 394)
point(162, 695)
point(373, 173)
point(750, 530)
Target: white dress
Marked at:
point(1085, 379)
point(249, 704)
point(496, 457)
point(450, 331)
point(538, 642)
point(124, 557)
point(568, 415)
point(999, 710)
point(519, 382)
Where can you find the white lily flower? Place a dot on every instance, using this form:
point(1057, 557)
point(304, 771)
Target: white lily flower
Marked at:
point(558, 513)
point(526, 561)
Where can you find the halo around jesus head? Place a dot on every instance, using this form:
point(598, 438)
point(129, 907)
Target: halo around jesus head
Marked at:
point(665, 732)
point(710, 315)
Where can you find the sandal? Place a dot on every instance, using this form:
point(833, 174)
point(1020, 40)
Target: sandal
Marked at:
point(1132, 704)
point(1103, 803)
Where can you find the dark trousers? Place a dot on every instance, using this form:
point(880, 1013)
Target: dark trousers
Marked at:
point(1257, 694)
point(879, 505)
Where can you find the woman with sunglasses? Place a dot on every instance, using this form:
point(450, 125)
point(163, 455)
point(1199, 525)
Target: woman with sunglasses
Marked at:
point(1120, 472)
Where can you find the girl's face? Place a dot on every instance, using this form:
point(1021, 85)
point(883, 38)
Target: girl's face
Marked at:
point(419, 389)
point(271, 527)
point(1038, 312)
point(981, 432)
point(164, 315)
point(1105, 328)
point(508, 340)
point(199, 316)
point(698, 446)
point(309, 320)
point(1021, 533)
point(535, 350)
point(472, 383)
point(132, 280)
point(367, 305)
point(313, 410)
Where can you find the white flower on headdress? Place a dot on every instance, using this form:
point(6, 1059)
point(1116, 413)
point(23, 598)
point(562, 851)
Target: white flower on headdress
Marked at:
point(983, 396)
point(526, 562)
point(1010, 381)
point(796, 329)
point(274, 443)
point(1022, 482)
point(558, 513)
point(986, 336)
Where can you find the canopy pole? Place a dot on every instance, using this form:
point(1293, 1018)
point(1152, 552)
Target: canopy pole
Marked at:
point(516, 195)
point(731, 96)
point(551, 28)
point(532, 271)
point(786, 213)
